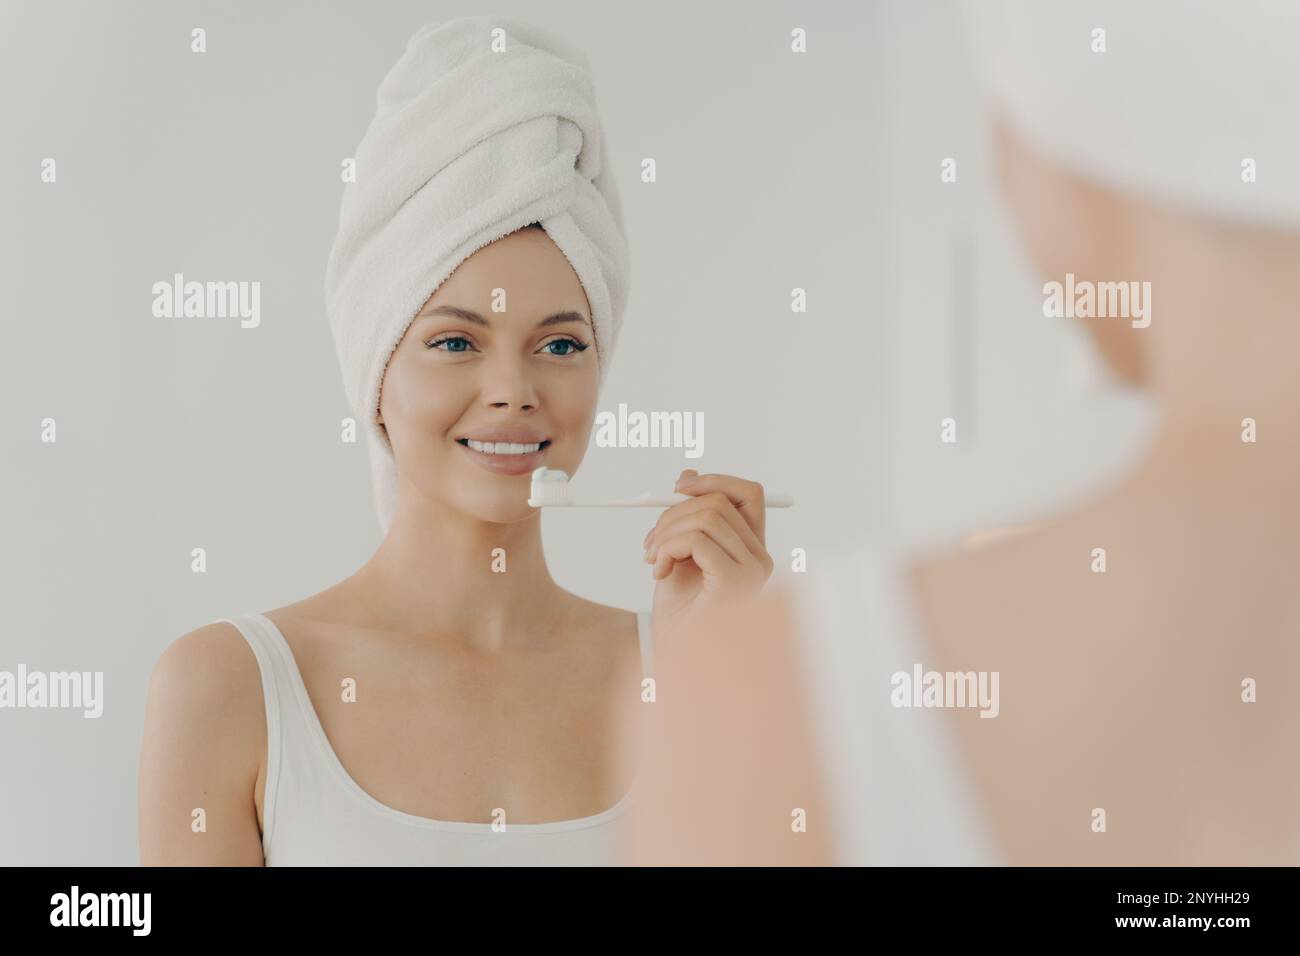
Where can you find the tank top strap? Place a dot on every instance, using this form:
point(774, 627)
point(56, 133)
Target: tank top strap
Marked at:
point(286, 726)
point(644, 635)
point(276, 688)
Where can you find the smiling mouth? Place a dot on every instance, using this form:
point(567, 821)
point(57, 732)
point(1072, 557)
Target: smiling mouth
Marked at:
point(505, 449)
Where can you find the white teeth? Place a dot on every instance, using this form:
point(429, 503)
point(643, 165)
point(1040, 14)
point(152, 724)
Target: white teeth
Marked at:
point(503, 448)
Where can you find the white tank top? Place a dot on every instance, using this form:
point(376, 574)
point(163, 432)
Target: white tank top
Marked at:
point(315, 814)
point(897, 788)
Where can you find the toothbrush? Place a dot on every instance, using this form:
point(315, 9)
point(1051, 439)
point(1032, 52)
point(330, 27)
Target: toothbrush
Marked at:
point(550, 489)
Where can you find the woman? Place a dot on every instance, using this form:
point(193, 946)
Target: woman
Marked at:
point(448, 703)
point(1144, 641)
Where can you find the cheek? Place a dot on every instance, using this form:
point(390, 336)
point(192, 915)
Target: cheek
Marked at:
point(413, 401)
point(1068, 225)
point(573, 406)
point(1037, 207)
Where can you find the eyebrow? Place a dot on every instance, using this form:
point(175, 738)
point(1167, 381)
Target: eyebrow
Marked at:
point(469, 315)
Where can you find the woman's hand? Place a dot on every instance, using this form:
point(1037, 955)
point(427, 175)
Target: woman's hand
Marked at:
point(709, 549)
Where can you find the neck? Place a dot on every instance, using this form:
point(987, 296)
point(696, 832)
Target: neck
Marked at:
point(434, 573)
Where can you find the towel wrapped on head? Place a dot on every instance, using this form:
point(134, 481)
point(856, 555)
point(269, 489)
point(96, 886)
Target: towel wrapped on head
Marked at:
point(1185, 93)
point(483, 126)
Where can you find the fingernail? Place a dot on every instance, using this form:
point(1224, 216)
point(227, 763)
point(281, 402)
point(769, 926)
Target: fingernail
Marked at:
point(646, 559)
point(686, 480)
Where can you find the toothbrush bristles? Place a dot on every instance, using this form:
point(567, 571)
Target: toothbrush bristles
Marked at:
point(550, 487)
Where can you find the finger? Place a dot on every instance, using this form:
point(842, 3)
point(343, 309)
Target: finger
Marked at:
point(684, 507)
point(680, 517)
point(747, 496)
point(714, 561)
point(713, 524)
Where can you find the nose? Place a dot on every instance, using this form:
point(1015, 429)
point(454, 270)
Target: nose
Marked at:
point(508, 384)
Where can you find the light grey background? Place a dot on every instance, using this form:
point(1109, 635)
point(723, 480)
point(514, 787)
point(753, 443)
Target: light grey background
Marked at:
point(776, 171)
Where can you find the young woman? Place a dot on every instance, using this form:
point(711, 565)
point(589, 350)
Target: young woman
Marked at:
point(448, 703)
point(481, 698)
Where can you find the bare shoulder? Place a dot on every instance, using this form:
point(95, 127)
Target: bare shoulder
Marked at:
point(209, 671)
point(604, 619)
point(201, 751)
point(968, 588)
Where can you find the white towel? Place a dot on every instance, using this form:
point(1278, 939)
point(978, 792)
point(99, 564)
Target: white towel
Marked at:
point(1185, 91)
point(468, 145)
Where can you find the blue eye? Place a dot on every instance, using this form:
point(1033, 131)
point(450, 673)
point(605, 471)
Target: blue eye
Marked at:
point(577, 346)
point(449, 338)
point(457, 344)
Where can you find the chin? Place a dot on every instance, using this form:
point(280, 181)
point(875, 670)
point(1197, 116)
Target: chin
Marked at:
point(499, 506)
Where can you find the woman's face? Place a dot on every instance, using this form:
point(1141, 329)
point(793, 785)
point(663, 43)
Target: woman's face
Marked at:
point(524, 372)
